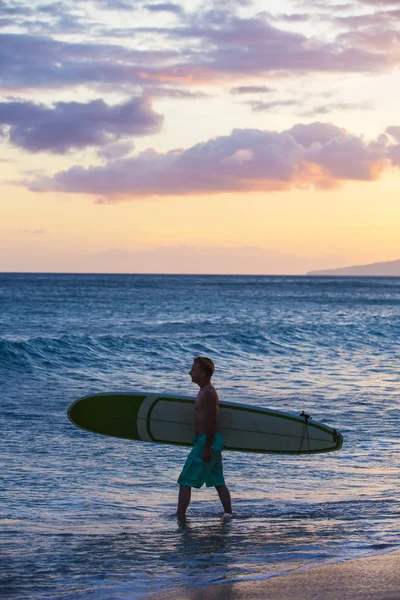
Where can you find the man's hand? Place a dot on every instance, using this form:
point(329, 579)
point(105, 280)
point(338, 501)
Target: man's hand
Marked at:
point(207, 454)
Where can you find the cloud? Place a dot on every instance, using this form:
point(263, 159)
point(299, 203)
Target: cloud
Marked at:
point(251, 89)
point(30, 231)
point(376, 31)
point(176, 93)
point(213, 46)
point(319, 154)
point(165, 7)
point(394, 150)
point(325, 109)
point(259, 106)
point(293, 18)
point(379, 40)
point(115, 151)
point(382, 3)
point(349, 158)
point(316, 133)
point(306, 99)
point(394, 131)
point(370, 20)
point(239, 46)
point(394, 155)
point(71, 125)
point(57, 17)
point(116, 5)
point(14, 9)
point(39, 62)
point(51, 8)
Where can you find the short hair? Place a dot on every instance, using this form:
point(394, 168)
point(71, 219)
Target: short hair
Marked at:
point(207, 364)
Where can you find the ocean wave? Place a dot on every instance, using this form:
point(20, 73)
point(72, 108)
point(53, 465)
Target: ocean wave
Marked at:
point(175, 341)
point(49, 351)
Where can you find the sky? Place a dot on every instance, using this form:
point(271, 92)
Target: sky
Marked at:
point(246, 137)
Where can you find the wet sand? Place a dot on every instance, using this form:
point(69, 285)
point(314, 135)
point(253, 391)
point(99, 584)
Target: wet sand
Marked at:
point(372, 578)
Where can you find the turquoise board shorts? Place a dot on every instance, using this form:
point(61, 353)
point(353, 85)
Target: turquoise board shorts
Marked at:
point(196, 472)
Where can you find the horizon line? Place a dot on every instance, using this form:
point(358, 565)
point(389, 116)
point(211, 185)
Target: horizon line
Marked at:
point(343, 276)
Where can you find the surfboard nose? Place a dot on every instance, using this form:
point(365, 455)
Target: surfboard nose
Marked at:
point(107, 414)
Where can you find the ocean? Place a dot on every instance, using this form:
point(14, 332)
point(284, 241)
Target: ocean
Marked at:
point(87, 516)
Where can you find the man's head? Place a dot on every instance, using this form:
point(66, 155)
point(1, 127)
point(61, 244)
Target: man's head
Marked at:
point(202, 369)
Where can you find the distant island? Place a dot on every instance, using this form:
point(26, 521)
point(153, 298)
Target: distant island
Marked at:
point(380, 269)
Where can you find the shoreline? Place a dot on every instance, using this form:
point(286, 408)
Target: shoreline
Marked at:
point(374, 577)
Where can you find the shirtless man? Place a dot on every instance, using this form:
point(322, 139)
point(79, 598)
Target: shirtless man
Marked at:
point(204, 463)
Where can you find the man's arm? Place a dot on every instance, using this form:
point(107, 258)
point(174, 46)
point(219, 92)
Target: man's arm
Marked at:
point(210, 401)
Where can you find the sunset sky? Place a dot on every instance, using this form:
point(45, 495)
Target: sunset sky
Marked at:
point(199, 137)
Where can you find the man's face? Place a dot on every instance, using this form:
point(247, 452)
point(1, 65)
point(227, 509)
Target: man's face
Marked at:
point(196, 372)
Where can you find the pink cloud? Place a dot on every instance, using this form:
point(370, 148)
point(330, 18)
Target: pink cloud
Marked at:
point(375, 40)
point(320, 133)
point(376, 32)
point(319, 154)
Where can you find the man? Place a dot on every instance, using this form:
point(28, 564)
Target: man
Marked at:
point(204, 463)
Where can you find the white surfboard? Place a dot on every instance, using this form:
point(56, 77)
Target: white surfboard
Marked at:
point(168, 419)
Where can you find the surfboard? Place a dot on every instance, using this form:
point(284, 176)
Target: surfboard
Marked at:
point(165, 419)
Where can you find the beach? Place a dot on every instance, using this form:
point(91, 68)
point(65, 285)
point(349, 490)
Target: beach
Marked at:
point(372, 578)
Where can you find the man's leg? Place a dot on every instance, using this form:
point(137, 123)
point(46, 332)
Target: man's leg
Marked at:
point(225, 497)
point(183, 499)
